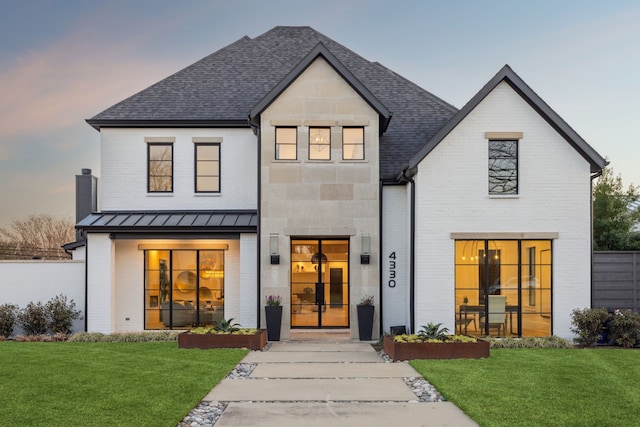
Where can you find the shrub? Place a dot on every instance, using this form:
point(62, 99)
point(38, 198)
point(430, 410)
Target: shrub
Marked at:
point(125, 337)
point(530, 342)
point(62, 313)
point(34, 319)
point(588, 324)
point(8, 317)
point(626, 328)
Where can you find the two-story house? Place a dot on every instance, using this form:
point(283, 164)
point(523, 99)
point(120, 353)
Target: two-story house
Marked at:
point(288, 165)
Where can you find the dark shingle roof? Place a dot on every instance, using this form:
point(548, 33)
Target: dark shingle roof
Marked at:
point(222, 88)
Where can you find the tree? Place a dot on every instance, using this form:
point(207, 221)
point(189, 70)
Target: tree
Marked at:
point(37, 235)
point(613, 220)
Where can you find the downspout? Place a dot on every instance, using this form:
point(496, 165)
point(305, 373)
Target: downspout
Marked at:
point(593, 176)
point(256, 131)
point(407, 176)
point(86, 282)
point(380, 237)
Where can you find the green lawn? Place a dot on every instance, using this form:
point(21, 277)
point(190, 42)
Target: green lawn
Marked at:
point(141, 384)
point(542, 387)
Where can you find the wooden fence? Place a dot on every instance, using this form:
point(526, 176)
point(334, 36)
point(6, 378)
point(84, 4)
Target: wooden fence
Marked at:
point(616, 280)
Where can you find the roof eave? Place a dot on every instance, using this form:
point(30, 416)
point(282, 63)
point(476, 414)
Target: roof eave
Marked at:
point(596, 161)
point(159, 123)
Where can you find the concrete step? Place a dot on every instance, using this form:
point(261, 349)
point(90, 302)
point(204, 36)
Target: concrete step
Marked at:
point(313, 356)
point(324, 389)
point(379, 414)
point(333, 370)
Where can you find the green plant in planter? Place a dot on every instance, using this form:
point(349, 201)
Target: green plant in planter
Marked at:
point(413, 338)
point(226, 329)
point(226, 326)
point(274, 301)
point(366, 301)
point(433, 331)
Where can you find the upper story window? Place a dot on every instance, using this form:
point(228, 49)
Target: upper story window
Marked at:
point(319, 143)
point(503, 167)
point(207, 175)
point(286, 143)
point(353, 143)
point(160, 167)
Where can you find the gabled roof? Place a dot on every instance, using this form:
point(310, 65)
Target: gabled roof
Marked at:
point(507, 75)
point(222, 89)
point(320, 50)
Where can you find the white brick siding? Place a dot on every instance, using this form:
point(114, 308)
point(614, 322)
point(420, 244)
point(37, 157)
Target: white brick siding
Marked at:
point(101, 283)
point(452, 196)
point(123, 182)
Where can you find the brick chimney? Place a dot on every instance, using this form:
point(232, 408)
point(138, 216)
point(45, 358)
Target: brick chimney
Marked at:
point(86, 196)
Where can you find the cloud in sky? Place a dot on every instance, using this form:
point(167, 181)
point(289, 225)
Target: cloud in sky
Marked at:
point(46, 96)
point(64, 62)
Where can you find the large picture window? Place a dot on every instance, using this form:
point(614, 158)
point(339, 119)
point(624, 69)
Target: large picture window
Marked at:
point(160, 167)
point(207, 168)
point(503, 287)
point(503, 167)
point(286, 143)
point(183, 288)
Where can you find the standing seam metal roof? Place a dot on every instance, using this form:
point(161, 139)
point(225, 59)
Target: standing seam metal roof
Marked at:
point(187, 221)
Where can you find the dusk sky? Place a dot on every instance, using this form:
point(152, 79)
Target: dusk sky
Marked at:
point(62, 62)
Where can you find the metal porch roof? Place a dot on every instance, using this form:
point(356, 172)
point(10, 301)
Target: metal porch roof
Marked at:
point(170, 221)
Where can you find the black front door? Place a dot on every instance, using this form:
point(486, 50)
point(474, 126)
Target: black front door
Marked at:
point(319, 283)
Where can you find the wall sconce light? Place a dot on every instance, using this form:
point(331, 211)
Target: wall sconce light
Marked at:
point(366, 249)
point(274, 243)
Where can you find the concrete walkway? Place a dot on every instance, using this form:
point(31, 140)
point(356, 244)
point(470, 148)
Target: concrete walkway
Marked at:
point(327, 383)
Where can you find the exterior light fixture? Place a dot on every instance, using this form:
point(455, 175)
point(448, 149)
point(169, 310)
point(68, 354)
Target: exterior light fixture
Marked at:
point(274, 243)
point(366, 249)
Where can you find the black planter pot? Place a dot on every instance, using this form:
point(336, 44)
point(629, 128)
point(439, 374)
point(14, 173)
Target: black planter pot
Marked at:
point(365, 321)
point(273, 315)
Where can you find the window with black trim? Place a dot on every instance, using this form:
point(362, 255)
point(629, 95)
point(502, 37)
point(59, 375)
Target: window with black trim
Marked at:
point(286, 143)
point(183, 288)
point(319, 143)
point(160, 167)
point(353, 143)
point(504, 287)
point(207, 175)
point(503, 167)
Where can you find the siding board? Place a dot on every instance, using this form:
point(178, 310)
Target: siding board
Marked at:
point(616, 280)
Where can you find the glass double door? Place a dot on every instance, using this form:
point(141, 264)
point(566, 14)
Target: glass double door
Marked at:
point(320, 283)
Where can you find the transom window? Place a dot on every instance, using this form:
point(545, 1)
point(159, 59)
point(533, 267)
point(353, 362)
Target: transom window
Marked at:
point(207, 177)
point(503, 167)
point(160, 167)
point(319, 143)
point(286, 143)
point(353, 143)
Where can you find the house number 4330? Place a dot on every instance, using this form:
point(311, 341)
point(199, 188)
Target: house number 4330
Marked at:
point(392, 270)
